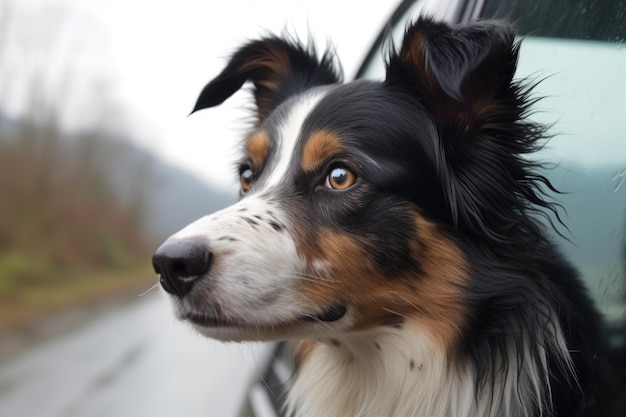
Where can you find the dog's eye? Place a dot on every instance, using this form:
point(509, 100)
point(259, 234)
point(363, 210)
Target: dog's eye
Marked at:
point(340, 178)
point(245, 178)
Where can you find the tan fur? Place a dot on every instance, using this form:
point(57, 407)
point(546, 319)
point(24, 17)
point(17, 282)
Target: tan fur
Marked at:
point(433, 298)
point(319, 147)
point(257, 146)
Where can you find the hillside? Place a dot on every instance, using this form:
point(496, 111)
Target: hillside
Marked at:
point(81, 214)
point(177, 198)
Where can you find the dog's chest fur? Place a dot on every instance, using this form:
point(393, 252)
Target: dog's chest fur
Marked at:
point(386, 372)
point(401, 372)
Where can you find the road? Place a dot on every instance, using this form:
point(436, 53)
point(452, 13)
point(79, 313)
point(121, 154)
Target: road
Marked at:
point(132, 360)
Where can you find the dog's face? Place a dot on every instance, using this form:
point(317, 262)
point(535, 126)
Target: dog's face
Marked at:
point(325, 237)
point(353, 196)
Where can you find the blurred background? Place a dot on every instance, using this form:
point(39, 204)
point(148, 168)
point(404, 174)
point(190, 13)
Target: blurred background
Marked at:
point(99, 163)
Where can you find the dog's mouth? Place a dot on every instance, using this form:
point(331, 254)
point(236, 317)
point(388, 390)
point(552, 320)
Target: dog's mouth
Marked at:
point(214, 318)
point(209, 319)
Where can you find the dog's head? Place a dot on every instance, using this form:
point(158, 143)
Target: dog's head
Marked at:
point(356, 198)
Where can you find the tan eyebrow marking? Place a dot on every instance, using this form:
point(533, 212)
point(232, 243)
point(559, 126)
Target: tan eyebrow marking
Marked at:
point(257, 147)
point(319, 147)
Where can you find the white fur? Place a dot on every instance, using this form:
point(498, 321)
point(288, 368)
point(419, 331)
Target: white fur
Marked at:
point(260, 264)
point(253, 279)
point(369, 374)
point(289, 133)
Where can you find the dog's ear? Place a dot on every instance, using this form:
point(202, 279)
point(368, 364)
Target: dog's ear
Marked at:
point(460, 72)
point(278, 68)
point(463, 76)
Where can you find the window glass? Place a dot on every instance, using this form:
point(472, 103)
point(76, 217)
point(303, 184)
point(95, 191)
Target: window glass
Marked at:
point(601, 20)
point(375, 70)
point(576, 50)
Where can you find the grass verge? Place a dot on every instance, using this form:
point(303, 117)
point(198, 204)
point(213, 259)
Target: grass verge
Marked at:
point(28, 303)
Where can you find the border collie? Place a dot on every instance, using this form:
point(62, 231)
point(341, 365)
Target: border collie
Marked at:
point(389, 230)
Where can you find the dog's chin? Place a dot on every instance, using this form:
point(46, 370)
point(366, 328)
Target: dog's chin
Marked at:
point(212, 324)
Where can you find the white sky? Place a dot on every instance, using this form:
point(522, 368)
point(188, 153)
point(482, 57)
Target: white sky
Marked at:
point(154, 57)
point(151, 58)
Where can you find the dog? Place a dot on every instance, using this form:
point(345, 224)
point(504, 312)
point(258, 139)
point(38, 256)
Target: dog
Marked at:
point(390, 231)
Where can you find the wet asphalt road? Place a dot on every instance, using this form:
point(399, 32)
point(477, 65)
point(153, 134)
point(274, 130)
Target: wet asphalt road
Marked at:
point(131, 360)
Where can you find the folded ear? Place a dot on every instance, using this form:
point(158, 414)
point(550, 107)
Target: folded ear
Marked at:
point(279, 68)
point(462, 76)
point(459, 71)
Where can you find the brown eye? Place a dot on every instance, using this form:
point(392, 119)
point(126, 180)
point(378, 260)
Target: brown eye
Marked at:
point(245, 178)
point(340, 179)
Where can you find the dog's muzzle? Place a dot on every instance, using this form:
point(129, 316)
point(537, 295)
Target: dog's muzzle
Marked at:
point(181, 263)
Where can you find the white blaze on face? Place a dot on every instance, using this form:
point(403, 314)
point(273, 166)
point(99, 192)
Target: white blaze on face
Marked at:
point(288, 134)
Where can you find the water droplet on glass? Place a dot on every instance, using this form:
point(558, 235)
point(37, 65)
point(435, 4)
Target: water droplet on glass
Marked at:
point(619, 180)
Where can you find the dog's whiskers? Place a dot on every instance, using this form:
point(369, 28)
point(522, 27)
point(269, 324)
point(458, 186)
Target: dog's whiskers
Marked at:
point(154, 287)
point(396, 313)
point(410, 303)
point(313, 278)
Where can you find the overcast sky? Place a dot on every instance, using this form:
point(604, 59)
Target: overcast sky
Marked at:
point(151, 58)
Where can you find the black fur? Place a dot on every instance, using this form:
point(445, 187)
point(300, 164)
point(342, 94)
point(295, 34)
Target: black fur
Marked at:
point(449, 131)
point(296, 70)
point(493, 193)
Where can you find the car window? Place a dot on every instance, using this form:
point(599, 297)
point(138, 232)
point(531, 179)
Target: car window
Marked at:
point(576, 51)
point(601, 20)
point(374, 67)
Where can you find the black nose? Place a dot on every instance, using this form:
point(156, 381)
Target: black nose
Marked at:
point(181, 263)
